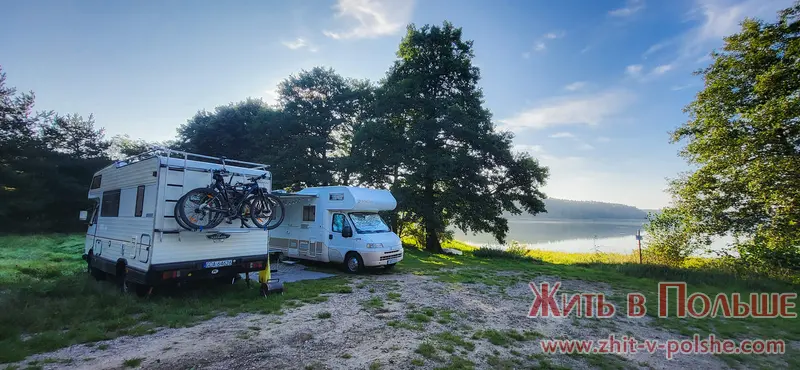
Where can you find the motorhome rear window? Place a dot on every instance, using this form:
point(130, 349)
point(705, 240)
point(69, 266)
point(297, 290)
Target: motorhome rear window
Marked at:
point(139, 201)
point(96, 182)
point(110, 205)
point(309, 213)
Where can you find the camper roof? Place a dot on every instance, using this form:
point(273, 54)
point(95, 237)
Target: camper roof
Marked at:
point(349, 198)
point(181, 159)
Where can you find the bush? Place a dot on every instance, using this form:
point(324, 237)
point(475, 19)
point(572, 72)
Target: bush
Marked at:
point(669, 241)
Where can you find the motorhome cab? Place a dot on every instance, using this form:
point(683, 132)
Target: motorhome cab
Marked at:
point(133, 233)
point(338, 224)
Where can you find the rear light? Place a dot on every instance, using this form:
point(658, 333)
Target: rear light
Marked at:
point(170, 275)
point(256, 265)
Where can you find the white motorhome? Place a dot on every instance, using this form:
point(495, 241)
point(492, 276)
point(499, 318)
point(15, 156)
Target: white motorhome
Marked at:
point(338, 224)
point(133, 233)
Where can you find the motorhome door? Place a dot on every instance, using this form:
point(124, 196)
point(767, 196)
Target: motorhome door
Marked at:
point(342, 244)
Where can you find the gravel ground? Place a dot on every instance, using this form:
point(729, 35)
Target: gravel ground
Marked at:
point(358, 335)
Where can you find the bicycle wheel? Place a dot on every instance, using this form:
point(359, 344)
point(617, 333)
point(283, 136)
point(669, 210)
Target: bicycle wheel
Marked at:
point(267, 212)
point(177, 213)
point(199, 209)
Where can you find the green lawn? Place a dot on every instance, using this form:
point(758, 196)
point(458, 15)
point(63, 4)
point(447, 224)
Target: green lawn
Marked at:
point(47, 301)
point(624, 277)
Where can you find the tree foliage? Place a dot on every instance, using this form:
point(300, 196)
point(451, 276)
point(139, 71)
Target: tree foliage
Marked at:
point(46, 162)
point(444, 161)
point(743, 137)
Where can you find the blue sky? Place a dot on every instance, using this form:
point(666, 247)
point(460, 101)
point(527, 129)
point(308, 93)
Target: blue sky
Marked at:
point(591, 88)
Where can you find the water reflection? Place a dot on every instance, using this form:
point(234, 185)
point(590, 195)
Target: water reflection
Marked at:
point(535, 232)
point(610, 236)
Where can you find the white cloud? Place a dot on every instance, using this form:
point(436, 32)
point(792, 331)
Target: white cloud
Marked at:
point(562, 135)
point(656, 47)
point(585, 146)
point(541, 44)
point(603, 139)
point(681, 87)
point(575, 86)
point(299, 43)
point(634, 70)
point(631, 7)
point(571, 110)
point(660, 70)
point(372, 18)
point(720, 18)
point(553, 35)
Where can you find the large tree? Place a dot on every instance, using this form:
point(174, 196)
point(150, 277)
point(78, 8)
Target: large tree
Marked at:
point(326, 108)
point(743, 137)
point(250, 130)
point(436, 146)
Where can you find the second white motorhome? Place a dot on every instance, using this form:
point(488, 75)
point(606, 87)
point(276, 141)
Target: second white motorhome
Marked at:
point(338, 224)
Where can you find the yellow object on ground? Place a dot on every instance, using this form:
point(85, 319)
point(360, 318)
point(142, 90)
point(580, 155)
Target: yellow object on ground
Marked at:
point(264, 275)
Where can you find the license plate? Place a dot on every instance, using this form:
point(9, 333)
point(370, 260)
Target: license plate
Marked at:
point(222, 263)
point(393, 260)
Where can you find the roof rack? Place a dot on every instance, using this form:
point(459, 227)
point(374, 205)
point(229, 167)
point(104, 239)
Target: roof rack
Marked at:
point(159, 151)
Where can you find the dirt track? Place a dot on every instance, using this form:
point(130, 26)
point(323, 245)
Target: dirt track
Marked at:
point(358, 335)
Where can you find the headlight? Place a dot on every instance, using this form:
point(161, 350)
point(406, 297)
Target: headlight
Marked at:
point(374, 245)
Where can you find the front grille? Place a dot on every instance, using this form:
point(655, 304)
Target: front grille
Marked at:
point(390, 256)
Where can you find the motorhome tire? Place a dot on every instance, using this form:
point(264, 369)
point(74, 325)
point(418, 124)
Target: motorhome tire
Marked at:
point(94, 272)
point(353, 263)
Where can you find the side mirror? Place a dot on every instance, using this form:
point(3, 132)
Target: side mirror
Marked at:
point(83, 216)
point(347, 231)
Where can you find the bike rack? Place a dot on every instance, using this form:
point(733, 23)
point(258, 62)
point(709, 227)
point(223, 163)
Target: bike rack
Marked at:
point(159, 151)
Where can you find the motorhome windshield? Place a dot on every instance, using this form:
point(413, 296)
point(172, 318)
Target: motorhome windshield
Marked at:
point(367, 223)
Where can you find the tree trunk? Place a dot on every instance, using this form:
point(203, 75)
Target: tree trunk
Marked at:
point(430, 219)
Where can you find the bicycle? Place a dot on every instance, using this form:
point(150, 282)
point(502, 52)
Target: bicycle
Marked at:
point(205, 208)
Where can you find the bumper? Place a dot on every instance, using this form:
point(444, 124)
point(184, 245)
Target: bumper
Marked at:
point(187, 271)
point(382, 257)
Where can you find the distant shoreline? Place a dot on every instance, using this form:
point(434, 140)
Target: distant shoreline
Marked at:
point(578, 220)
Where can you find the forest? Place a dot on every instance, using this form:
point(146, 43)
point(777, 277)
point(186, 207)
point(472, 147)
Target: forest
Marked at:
point(421, 132)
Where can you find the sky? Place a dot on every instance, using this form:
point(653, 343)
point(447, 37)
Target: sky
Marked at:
point(589, 88)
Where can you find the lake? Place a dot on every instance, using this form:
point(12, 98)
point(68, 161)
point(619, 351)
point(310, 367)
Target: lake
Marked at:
point(607, 236)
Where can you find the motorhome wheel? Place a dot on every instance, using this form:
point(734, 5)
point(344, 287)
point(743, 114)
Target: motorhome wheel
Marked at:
point(353, 262)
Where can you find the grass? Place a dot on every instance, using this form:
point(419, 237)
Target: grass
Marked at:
point(44, 274)
point(373, 303)
point(618, 271)
point(62, 306)
point(505, 337)
point(427, 350)
point(324, 315)
point(132, 362)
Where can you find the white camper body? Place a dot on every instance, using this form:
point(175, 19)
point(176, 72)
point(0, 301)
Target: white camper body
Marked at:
point(133, 233)
point(317, 222)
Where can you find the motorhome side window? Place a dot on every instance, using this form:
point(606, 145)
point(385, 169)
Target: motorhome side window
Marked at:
point(139, 201)
point(338, 222)
point(96, 182)
point(309, 213)
point(110, 204)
